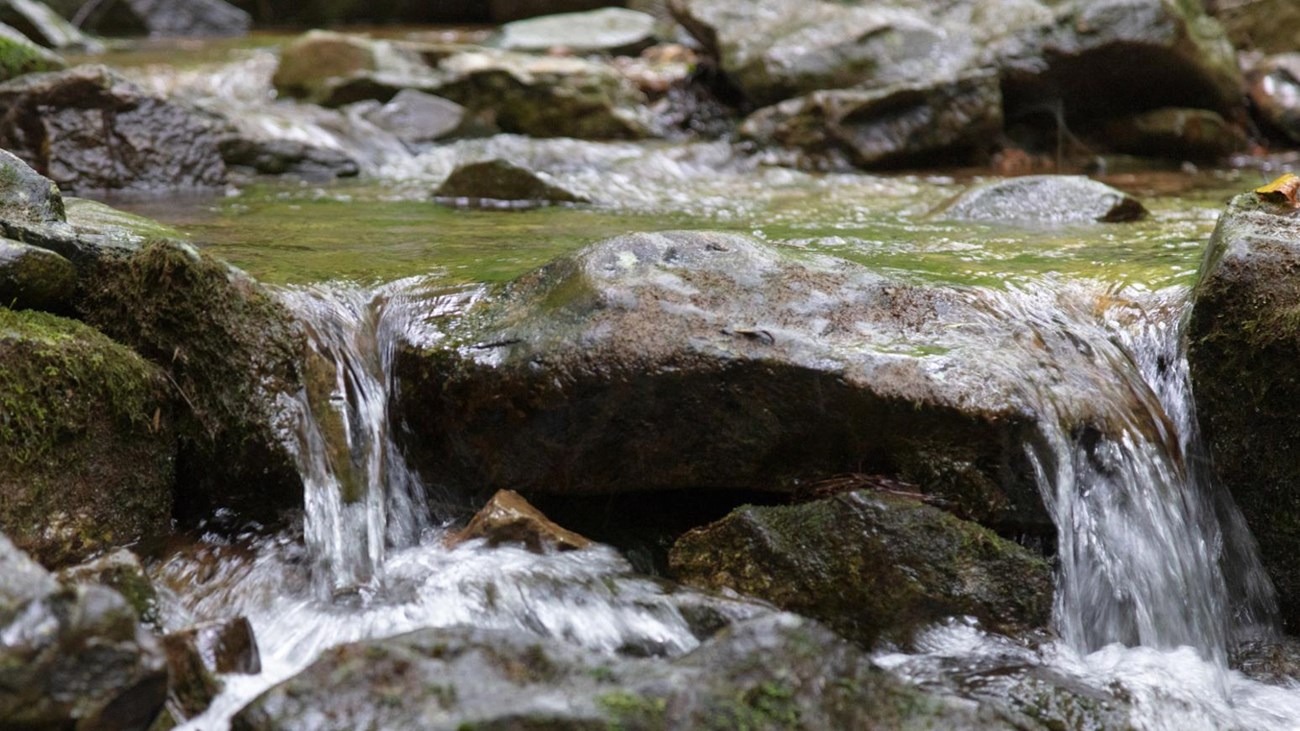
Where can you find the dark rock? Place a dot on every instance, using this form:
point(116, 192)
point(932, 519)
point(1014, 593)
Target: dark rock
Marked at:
point(318, 60)
point(191, 684)
point(1045, 199)
point(72, 657)
point(706, 361)
point(1243, 337)
point(19, 56)
point(35, 279)
point(1271, 26)
point(777, 49)
point(39, 23)
point(1187, 134)
point(281, 157)
point(500, 183)
point(87, 440)
point(195, 655)
point(89, 129)
point(121, 571)
point(779, 671)
point(872, 566)
point(608, 30)
point(1275, 92)
point(229, 350)
point(890, 126)
point(508, 518)
point(164, 18)
point(418, 118)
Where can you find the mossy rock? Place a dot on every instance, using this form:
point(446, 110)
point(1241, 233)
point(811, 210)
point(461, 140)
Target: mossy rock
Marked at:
point(229, 349)
point(20, 56)
point(871, 565)
point(32, 278)
point(1243, 342)
point(87, 440)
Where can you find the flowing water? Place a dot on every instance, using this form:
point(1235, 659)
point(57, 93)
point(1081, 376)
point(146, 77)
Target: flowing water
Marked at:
point(1157, 575)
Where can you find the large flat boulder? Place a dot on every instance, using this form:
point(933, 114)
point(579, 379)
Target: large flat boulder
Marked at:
point(1243, 341)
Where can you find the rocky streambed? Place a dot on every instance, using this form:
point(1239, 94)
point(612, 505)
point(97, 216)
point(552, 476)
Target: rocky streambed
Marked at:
point(720, 367)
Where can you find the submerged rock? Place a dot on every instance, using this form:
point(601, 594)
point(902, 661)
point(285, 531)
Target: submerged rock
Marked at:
point(1045, 199)
point(778, 671)
point(89, 129)
point(872, 566)
point(32, 278)
point(1275, 92)
point(498, 183)
point(72, 657)
point(1196, 134)
point(890, 126)
point(607, 30)
point(706, 361)
point(87, 440)
point(1243, 338)
point(509, 518)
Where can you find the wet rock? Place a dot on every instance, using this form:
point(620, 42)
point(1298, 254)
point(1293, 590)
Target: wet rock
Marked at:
point(26, 195)
point(197, 654)
point(19, 56)
point(498, 183)
point(777, 49)
point(319, 60)
point(1189, 134)
point(706, 361)
point(122, 572)
point(1242, 339)
point(165, 18)
point(72, 657)
point(87, 440)
point(608, 30)
point(872, 566)
point(779, 671)
point(35, 279)
point(1270, 26)
point(1045, 199)
point(417, 118)
point(230, 351)
point(39, 23)
point(287, 157)
point(191, 684)
point(504, 11)
point(891, 126)
point(509, 518)
point(1275, 92)
point(89, 129)
point(1099, 58)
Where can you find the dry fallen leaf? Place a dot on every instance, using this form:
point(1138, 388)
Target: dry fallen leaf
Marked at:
point(1282, 190)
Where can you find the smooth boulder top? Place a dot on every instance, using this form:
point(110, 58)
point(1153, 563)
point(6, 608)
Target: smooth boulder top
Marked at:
point(607, 29)
point(501, 183)
point(1044, 199)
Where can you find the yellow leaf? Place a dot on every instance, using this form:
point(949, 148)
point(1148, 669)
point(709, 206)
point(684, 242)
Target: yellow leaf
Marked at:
point(1282, 190)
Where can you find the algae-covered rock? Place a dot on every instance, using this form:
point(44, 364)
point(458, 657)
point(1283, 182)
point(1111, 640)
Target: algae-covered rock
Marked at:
point(19, 56)
point(501, 183)
point(1243, 337)
point(891, 126)
point(775, 672)
point(87, 128)
point(1044, 199)
point(32, 278)
point(72, 657)
point(87, 440)
point(229, 350)
point(870, 565)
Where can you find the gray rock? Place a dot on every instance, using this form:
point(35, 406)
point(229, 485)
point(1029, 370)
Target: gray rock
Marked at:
point(72, 657)
point(885, 127)
point(32, 278)
point(505, 11)
point(1174, 132)
point(56, 123)
point(38, 22)
point(1044, 199)
point(498, 183)
point(164, 18)
point(27, 196)
point(778, 671)
point(287, 157)
point(872, 566)
point(417, 118)
point(1274, 89)
point(122, 572)
point(608, 30)
point(1242, 339)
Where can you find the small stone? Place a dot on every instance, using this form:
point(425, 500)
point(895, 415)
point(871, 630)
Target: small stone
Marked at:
point(225, 647)
point(416, 117)
point(509, 518)
point(608, 30)
point(1045, 199)
point(497, 183)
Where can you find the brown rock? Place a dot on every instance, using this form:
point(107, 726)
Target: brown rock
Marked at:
point(509, 518)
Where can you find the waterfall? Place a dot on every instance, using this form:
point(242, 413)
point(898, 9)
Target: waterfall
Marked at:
point(361, 498)
point(1151, 551)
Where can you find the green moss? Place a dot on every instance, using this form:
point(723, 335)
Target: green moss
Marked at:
point(18, 57)
point(631, 712)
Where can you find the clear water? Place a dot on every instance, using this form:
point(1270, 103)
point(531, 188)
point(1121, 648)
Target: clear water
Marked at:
point(1157, 575)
